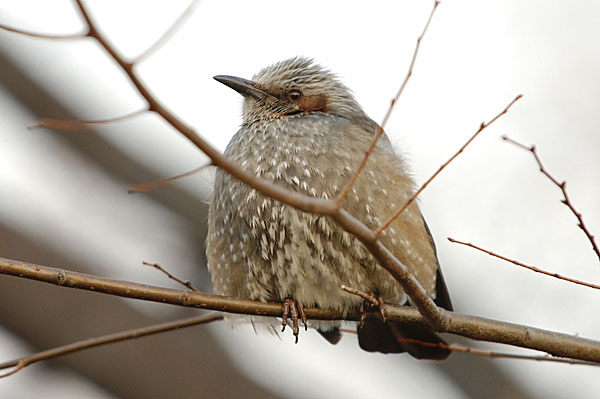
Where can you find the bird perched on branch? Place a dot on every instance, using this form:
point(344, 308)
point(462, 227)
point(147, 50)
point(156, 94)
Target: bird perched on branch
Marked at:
point(302, 129)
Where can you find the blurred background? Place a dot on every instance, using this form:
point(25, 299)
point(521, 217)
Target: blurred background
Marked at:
point(64, 201)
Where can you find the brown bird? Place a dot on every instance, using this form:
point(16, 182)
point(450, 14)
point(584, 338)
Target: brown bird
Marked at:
point(303, 129)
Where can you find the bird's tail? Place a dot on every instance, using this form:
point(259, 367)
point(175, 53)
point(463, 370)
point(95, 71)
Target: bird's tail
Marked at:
point(394, 337)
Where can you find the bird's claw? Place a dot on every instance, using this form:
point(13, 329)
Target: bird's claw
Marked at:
point(293, 308)
point(372, 301)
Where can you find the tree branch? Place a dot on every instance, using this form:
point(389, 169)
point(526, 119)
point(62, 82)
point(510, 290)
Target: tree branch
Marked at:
point(340, 197)
point(63, 125)
point(167, 34)
point(44, 36)
point(25, 361)
point(188, 284)
point(145, 187)
point(532, 268)
point(556, 344)
point(416, 194)
point(563, 188)
point(293, 198)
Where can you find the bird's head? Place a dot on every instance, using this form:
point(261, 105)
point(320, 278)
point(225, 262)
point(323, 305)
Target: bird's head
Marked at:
point(292, 87)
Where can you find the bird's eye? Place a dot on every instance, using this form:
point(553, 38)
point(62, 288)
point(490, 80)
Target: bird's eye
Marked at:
point(295, 95)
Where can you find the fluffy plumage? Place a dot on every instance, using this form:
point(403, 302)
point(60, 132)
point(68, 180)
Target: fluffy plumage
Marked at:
point(303, 129)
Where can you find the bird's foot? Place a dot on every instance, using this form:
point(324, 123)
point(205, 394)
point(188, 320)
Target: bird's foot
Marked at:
point(371, 301)
point(293, 308)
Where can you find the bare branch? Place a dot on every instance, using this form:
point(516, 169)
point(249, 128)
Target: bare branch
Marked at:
point(145, 187)
point(158, 267)
point(168, 33)
point(563, 187)
point(293, 198)
point(532, 268)
point(23, 362)
point(416, 194)
point(556, 344)
point(44, 36)
point(126, 289)
point(474, 351)
point(364, 295)
point(63, 125)
point(486, 353)
point(340, 197)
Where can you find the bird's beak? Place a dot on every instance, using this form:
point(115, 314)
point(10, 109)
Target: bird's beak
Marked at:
point(246, 88)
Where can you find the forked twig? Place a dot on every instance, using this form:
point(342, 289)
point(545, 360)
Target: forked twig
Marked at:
point(185, 283)
point(563, 187)
point(416, 194)
point(342, 195)
point(532, 268)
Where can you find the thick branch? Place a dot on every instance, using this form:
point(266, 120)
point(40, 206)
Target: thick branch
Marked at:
point(145, 292)
point(479, 328)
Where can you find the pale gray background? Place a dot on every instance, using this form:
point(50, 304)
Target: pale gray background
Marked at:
point(63, 199)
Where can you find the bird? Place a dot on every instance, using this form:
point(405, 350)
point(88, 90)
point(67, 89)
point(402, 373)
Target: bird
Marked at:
point(302, 129)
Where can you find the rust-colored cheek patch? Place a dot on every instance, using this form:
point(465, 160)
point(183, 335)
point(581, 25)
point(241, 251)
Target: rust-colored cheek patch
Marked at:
point(314, 103)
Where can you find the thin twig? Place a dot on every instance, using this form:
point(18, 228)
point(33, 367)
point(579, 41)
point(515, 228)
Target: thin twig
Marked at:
point(416, 194)
point(364, 295)
point(185, 283)
point(481, 352)
point(370, 300)
point(563, 187)
point(487, 353)
point(167, 34)
point(342, 195)
point(65, 125)
point(145, 187)
point(532, 268)
point(45, 36)
point(23, 362)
